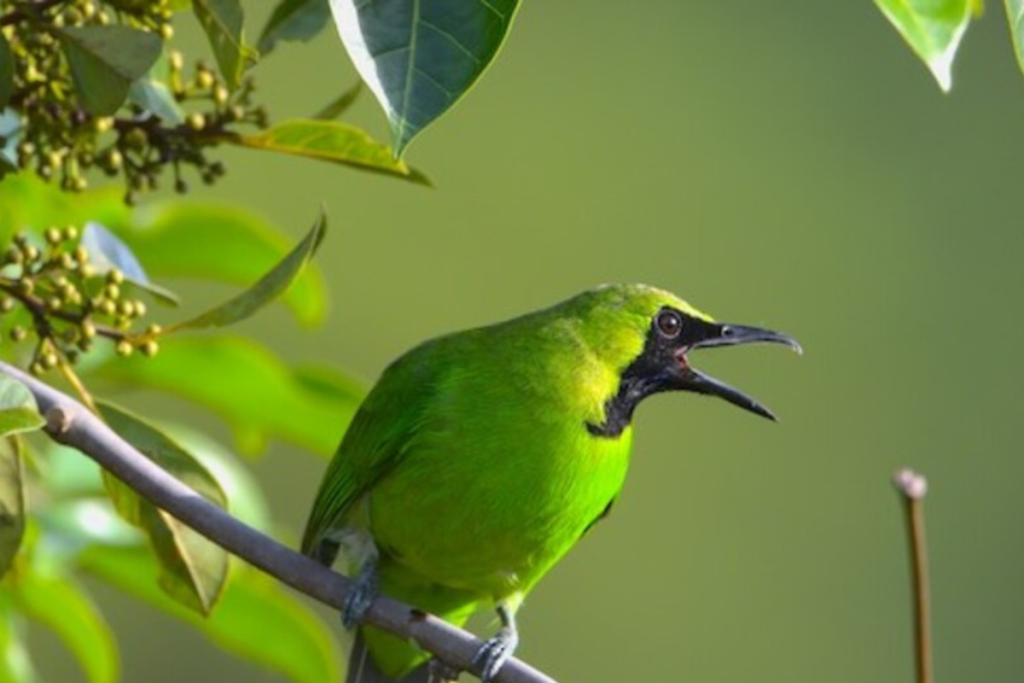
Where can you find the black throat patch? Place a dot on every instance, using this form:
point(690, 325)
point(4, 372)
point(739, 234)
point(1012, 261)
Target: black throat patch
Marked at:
point(652, 372)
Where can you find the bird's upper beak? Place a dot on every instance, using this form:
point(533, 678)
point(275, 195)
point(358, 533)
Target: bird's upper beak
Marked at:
point(718, 334)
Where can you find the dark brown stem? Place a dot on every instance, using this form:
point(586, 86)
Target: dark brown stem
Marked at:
point(912, 488)
point(70, 423)
point(41, 314)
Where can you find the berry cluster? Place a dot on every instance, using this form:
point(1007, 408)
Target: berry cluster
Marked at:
point(55, 294)
point(59, 139)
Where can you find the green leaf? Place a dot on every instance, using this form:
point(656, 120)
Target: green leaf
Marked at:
point(333, 141)
point(193, 568)
point(247, 385)
point(341, 104)
point(245, 497)
point(256, 619)
point(222, 20)
point(294, 20)
point(18, 410)
point(107, 252)
point(6, 72)
point(933, 29)
point(156, 98)
point(105, 60)
point(418, 57)
point(268, 288)
point(165, 235)
point(15, 664)
point(64, 607)
point(1015, 18)
point(12, 502)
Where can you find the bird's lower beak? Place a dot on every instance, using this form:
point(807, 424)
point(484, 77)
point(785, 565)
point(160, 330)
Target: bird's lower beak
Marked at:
point(729, 335)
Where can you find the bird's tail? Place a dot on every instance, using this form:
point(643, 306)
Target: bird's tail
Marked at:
point(362, 668)
point(379, 657)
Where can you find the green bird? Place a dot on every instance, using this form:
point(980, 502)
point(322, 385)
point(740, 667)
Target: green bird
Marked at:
point(481, 457)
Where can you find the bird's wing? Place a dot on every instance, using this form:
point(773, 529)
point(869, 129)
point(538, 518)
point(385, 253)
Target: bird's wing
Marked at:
point(376, 440)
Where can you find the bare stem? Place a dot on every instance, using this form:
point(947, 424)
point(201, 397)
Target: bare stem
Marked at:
point(912, 488)
point(71, 423)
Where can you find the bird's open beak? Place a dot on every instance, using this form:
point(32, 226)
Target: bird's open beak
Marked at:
point(729, 335)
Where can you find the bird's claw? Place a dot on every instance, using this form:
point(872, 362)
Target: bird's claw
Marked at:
point(358, 602)
point(495, 652)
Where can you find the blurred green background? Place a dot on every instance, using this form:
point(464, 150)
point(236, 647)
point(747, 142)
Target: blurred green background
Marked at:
point(789, 164)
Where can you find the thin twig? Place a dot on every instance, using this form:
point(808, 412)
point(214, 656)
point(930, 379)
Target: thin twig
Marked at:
point(70, 423)
point(72, 378)
point(912, 488)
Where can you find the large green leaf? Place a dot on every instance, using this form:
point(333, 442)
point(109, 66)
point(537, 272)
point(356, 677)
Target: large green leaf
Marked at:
point(267, 288)
point(333, 141)
point(420, 57)
point(105, 60)
point(933, 28)
point(193, 569)
point(294, 20)
point(6, 72)
point(247, 385)
point(256, 619)
point(64, 607)
point(15, 664)
point(12, 502)
point(223, 22)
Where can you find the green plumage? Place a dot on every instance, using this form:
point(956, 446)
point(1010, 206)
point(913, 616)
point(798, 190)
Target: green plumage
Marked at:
point(471, 465)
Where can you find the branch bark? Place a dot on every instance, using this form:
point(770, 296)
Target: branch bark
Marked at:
point(70, 423)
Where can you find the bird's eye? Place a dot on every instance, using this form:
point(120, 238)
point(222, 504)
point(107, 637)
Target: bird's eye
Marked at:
point(669, 323)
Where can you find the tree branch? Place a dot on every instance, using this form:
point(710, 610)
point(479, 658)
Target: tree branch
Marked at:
point(912, 488)
point(70, 423)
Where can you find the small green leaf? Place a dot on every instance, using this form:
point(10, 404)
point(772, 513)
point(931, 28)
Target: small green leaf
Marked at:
point(268, 288)
point(419, 58)
point(193, 569)
point(333, 141)
point(341, 104)
point(12, 502)
point(165, 235)
point(256, 619)
point(107, 252)
point(156, 98)
point(294, 20)
point(254, 391)
point(18, 410)
point(6, 72)
point(933, 29)
point(64, 608)
point(105, 60)
point(222, 20)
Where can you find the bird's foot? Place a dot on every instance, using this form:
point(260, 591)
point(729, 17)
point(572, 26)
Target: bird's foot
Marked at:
point(364, 592)
point(495, 652)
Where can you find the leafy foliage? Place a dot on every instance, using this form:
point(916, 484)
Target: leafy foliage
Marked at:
point(259, 394)
point(93, 88)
